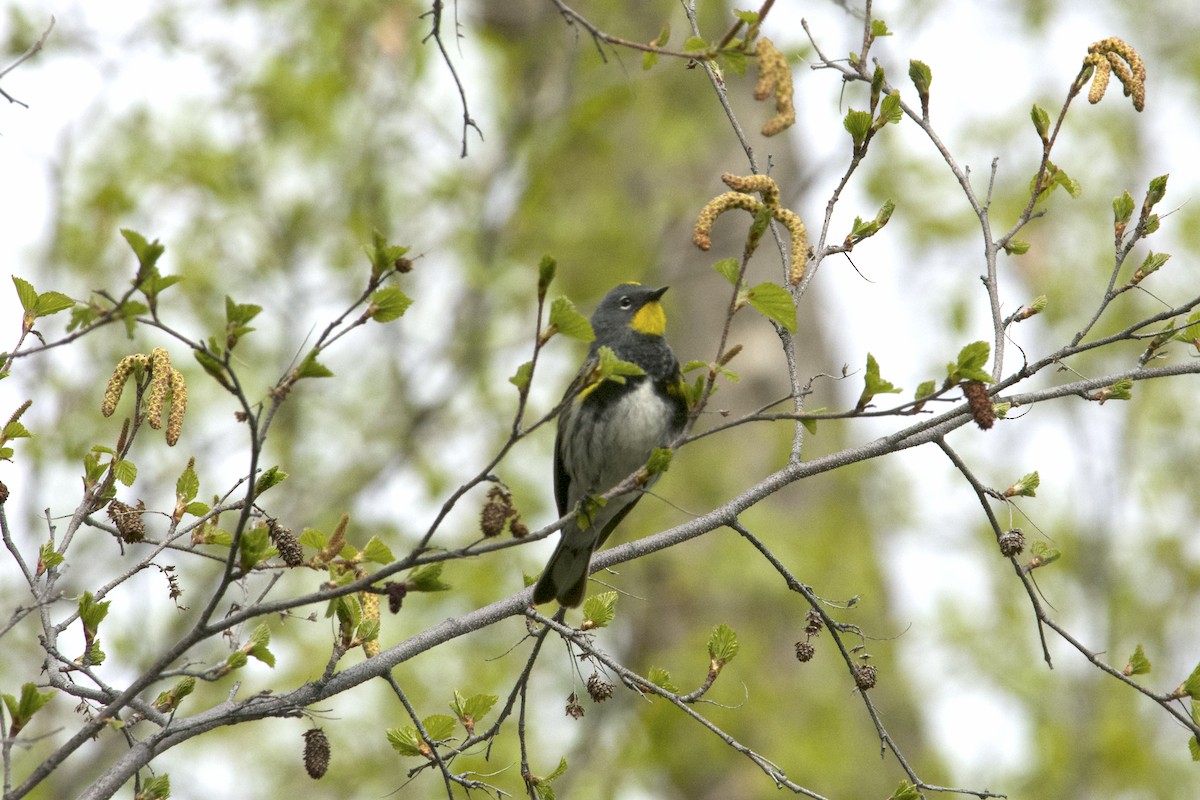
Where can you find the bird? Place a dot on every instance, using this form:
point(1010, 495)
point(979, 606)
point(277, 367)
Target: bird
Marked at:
point(608, 429)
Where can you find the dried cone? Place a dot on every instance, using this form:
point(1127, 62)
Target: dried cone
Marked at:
point(980, 403)
point(804, 652)
point(316, 753)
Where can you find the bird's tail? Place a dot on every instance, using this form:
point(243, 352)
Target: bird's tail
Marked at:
point(566, 574)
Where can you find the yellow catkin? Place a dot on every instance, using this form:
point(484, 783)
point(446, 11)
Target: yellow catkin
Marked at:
point(1113, 55)
point(775, 77)
point(760, 184)
point(1099, 80)
point(370, 611)
point(116, 384)
point(702, 233)
point(160, 386)
point(178, 407)
point(799, 235)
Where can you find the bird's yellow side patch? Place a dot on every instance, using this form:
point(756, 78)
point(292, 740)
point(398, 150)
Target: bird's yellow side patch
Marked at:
point(650, 319)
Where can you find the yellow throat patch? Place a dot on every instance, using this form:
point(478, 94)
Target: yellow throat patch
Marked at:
point(650, 319)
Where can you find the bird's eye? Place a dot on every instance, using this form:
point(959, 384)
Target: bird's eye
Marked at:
point(626, 302)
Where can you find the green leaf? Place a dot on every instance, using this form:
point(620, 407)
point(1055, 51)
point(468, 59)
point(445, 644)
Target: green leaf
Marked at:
point(196, 509)
point(474, 707)
point(1123, 208)
point(1043, 555)
point(660, 460)
point(729, 268)
point(906, 791)
point(748, 17)
point(15, 430)
point(1194, 748)
point(22, 709)
point(522, 376)
point(388, 304)
point(188, 484)
point(662, 679)
point(566, 320)
point(426, 579)
point(1155, 193)
point(889, 110)
point(722, 644)
point(920, 75)
point(48, 556)
point(311, 368)
point(925, 389)
point(51, 303)
point(1151, 264)
point(405, 741)
point(774, 302)
point(378, 552)
point(258, 645)
point(599, 610)
point(311, 537)
point(879, 28)
point(439, 726)
point(1138, 663)
point(147, 254)
point(858, 124)
point(1025, 487)
point(383, 256)
point(970, 363)
point(254, 547)
point(1041, 121)
point(874, 384)
point(696, 45)
point(125, 472)
point(92, 613)
point(559, 771)
point(1016, 247)
point(270, 477)
point(649, 59)
point(548, 267)
point(27, 294)
point(609, 367)
point(156, 788)
point(170, 699)
point(1191, 686)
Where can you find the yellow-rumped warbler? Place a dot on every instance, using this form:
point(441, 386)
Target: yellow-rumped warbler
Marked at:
point(608, 430)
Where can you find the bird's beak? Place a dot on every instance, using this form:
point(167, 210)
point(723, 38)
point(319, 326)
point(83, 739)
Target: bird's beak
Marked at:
point(658, 293)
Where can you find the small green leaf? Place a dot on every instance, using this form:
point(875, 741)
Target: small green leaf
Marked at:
point(748, 17)
point(1041, 121)
point(873, 384)
point(722, 644)
point(388, 304)
point(662, 679)
point(660, 460)
point(405, 741)
point(566, 320)
point(696, 45)
point(258, 645)
point(1025, 487)
point(270, 477)
point(188, 484)
point(27, 294)
point(1138, 663)
point(196, 509)
point(734, 58)
point(1194, 748)
point(426, 579)
point(311, 537)
point(254, 547)
point(858, 125)
point(92, 613)
point(925, 389)
point(522, 376)
point(889, 110)
point(609, 367)
point(15, 430)
point(1043, 555)
point(970, 363)
point(1191, 687)
point(774, 302)
point(475, 707)
point(125, 471)
point(728, 267)
point(1155, 193)
point(311, 368)
point(599, 610)
point(1016, 247)
point(48, 556)
point(439, 726)
point(1123, 209)
point(51, 303)
point(170, 699)
point(546, 271)
point(1151, 264)
point(378, 552)
point(22, 709)
point(920, 75)
point(649, 59)
point(906, 791)
point(879, 28)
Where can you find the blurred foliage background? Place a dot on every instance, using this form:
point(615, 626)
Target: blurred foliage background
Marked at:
point(263, 140)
